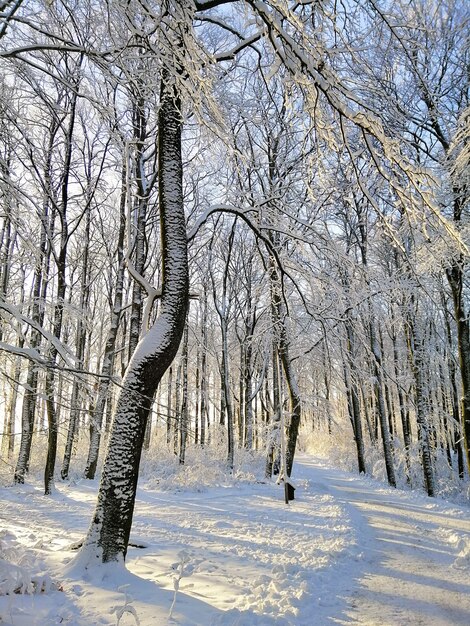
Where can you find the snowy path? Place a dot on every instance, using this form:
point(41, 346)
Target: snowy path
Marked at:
point(416, 554)
point(346, 551)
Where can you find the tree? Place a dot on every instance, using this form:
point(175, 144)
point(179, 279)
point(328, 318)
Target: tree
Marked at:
point(108, 535)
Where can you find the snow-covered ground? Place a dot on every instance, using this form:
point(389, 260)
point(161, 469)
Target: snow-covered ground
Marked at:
point(346, 551)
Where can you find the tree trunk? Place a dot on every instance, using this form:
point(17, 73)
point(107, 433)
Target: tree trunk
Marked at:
point(354, 407)
point(177, 410)
point(417, 360)
point(184, 398)
point(381, 411)
point(141, 202)
point(227, 394)
point(169, 405)
point(108, 535)
point(39, 293)
point(455, 278)
point(458, 437)
point(275, 423)
point(295, 406)
point(203, 378)
point(404, 416)
point(80, 342)
point(96, 420)
point(61, 260)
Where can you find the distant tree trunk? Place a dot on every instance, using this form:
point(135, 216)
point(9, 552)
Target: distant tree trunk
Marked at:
point(61, 263)
point(80, 342)
point(295, 406)
point(248, 392)
point(222, 307)
point(455, 278)
point(108, 535)
point(197, 384)
point(6, 238)
point(169, 405)
point(39, 293)
point(273, 432)
point(203, 378)
point(247, 365)
point(148, 427)
point(417, 361)
point(379, 395)
point(177, 409)
point(184, 398)
point(227, 394)
point(326, 380)
point(141, 202)
point(418, 366)
point(241, 426)
point(404, 415)
point(223, 395)
point(458, 438)
point(353, 397)
point(282, 345)
point(376, 352)
point(96, 419)
point(388, 393)
point(8, 438)
point(443, 408)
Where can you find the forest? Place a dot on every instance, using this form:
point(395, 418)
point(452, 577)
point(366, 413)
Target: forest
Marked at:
point(237, 228)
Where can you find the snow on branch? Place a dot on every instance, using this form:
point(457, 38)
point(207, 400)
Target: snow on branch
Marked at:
point(307, 66)
point(245, 43)
point(243, 214)
point(204, 5)
point(66, 354)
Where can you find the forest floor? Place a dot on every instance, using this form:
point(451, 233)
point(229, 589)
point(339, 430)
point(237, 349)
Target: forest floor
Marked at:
point(346, 551)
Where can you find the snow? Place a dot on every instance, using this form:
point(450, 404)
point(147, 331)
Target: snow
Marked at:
point(347, 550)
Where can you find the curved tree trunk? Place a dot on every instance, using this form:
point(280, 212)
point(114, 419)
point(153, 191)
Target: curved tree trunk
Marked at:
point(108, 535)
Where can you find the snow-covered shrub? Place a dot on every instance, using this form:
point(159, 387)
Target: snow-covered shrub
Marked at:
point(204, 466)
point(19, 570)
